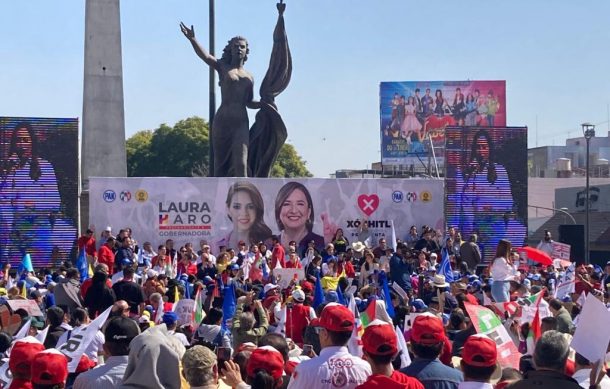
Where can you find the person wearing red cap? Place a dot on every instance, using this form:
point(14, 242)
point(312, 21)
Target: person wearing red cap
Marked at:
point(427, 342)
point(49, 370)
point(479, 363)
point(20, 361)
point(335, 367)
point(380, 347)
point(264, 370)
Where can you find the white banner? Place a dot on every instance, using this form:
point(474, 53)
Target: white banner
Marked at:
point(223, 211)
point(80, 339)
point(561, 250)
point(185, 309)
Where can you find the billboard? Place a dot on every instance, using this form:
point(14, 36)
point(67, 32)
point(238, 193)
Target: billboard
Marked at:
point(38, 189)
point(223, 211)
point(486, 184)
point(413, 113)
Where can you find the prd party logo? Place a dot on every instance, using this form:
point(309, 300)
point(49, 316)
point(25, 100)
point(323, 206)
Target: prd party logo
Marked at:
point(141, 195)
point(425, 196)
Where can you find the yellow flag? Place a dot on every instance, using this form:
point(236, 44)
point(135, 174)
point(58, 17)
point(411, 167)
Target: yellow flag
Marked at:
point(24, 291)
point(176, 295)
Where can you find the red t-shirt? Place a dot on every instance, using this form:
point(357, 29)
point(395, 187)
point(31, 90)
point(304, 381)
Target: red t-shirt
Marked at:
point(88, 243)
point(397, 380)
point(106, 256)
point(293, 265)
point(278, 254)
point(190, 269)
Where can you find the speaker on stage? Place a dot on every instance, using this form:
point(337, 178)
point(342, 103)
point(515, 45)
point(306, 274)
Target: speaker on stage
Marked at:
point(574, 235)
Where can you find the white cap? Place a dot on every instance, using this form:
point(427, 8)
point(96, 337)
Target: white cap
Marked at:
point(298, 295)
point(269, 287)
point(108, 229)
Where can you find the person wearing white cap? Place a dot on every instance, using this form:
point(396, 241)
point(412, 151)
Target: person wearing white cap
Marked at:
point(296, 316)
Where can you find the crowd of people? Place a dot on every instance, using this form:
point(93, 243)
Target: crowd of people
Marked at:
point(397, 315)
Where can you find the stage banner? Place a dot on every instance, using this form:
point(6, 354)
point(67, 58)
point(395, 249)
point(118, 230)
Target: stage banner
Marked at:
point(486, 184)
point(38, 189)
point(413, 113)
point(224, 211)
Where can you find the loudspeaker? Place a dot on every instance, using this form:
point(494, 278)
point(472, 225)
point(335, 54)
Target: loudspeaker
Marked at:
point(574, 235)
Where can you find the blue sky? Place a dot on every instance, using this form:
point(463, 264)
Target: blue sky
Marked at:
point(553, 54)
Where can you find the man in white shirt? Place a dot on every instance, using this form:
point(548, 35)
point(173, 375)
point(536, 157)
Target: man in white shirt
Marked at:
point(546, 244)
point(119, 331)
point(335, 367)
point(583, 373)
point(171, 321)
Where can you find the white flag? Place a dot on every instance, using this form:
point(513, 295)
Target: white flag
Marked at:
point(80, 339)
point(42, 335)
point(405, 358)
point(160, 312)
point(24, 331)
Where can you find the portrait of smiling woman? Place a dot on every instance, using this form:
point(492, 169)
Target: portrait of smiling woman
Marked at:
point(294, 216)
point(246, 210)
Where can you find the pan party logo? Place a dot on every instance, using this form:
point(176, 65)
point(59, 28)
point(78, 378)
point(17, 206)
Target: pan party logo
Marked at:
point(141, 195)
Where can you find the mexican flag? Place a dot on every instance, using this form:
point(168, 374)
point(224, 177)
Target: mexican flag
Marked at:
point(535, 330)
point(486, 322)
point(355, 342)
point(369, 314)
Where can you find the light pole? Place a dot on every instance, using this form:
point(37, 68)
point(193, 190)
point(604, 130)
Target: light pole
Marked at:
point(588, 131)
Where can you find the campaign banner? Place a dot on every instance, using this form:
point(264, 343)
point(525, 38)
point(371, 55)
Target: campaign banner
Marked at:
point(185, 309)
point(225, 211)
point(561, 250)
point(488, 323)
point(414, 115)
point(38, 189)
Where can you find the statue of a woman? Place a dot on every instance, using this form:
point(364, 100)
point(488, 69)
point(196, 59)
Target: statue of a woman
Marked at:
point(230, 134)
point(230, 130)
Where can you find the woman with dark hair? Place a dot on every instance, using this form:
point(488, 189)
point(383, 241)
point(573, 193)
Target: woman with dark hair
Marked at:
point(294, 216)
point(502, 271)
point(340, 241)
point(439, 103)
point(30, 202)
point(485, 200)
point(99, 296)
point(210, 332)
point(246, 210)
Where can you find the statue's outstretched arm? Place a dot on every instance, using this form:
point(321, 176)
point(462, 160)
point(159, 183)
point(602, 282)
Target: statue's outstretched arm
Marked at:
point(189, 33)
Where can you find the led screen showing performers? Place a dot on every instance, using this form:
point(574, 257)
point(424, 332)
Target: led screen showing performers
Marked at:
point(414, 115)
point(38, 189)
point(486, 184)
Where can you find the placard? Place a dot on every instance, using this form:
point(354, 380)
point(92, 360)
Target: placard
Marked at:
point(561, 250)
point(185, 310)
point(29, 306)
point(284, 276)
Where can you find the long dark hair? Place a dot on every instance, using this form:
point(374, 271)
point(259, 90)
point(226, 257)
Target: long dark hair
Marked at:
point(503, 249)
point(284, 192)
point(259, 230)
point(13, 149)
point(492, 175)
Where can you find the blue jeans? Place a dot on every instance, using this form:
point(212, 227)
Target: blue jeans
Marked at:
point(500, 291)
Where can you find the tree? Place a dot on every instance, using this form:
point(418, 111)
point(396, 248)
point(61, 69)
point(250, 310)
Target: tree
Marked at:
point(289, 164)
point(183, 151)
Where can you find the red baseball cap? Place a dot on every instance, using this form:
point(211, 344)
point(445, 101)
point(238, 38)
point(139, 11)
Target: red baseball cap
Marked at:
point(307, 286)
point(335, 317)
point(427, 329)
point(85, 364)
point(268, 359)
point(379, 338)
point(479, 351)
point(22, 354)
point(49, 367)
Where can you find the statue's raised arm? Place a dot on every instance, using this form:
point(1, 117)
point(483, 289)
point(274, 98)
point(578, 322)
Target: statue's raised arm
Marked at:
point(189, 33)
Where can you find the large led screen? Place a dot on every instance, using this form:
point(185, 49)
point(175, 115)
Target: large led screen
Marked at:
point(38, 189)
point(486, 184)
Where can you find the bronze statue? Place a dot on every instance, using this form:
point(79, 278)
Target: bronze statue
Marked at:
point(237, 150)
